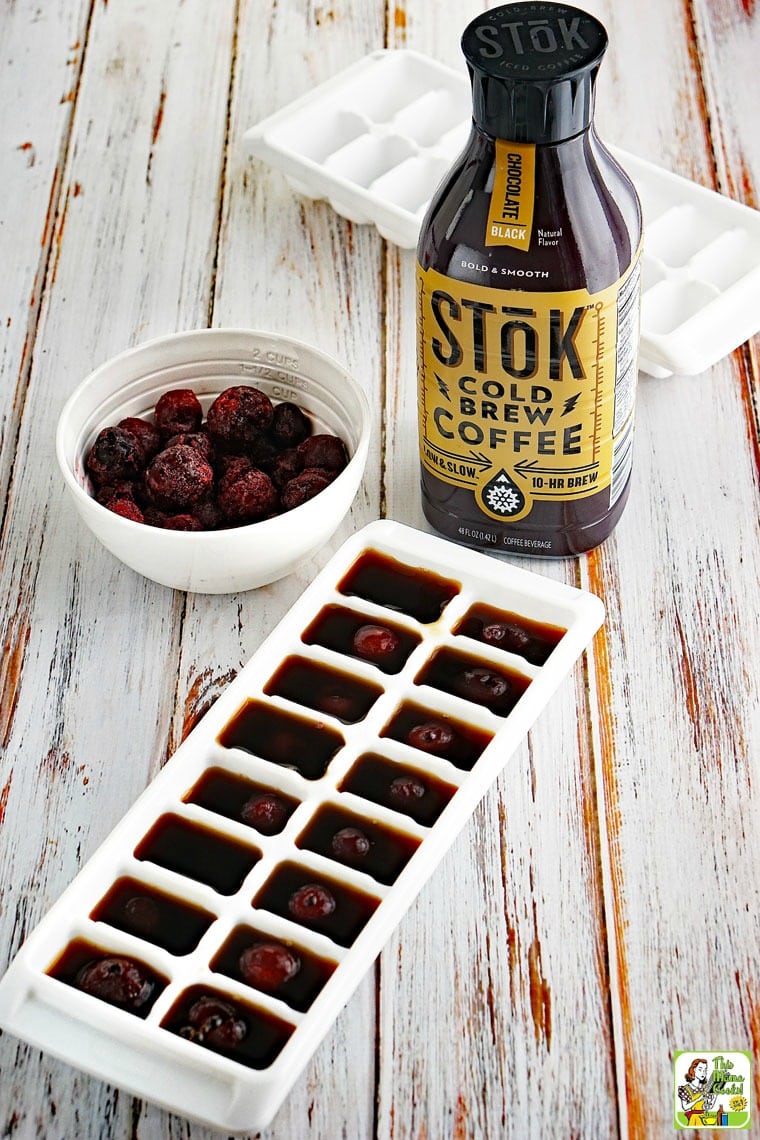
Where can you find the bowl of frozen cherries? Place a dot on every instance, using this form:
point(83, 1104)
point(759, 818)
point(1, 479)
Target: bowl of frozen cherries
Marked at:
point(215, 460)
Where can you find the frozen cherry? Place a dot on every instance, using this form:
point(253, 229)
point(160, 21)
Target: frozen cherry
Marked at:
point(178, 411)
point(303, 487)
point(289, 424)
point(483, 686)
point(323, 451)
point(231, 468)
point(208, 1006)
point(119, 489)
point(208, 514)
point(431, 736)
point(127, 508)
point(268, 965)
point(505, 635)
point(266, 812)
point(146, 434)
point(337, 704)
point(248, 498)
point(115, 454)
point(375, 642)
point(178, 477)
point(224, 1032)
point(310, 902)
point(238, 414)
point(200, 441)
point(285, 467)
point(143, 913)
point(350, 845)
point(154, 517)
point(180, 522)
point(406, 790)
point(250, 461)
point(214, 1022)
point(261, 450)
point(119, 981)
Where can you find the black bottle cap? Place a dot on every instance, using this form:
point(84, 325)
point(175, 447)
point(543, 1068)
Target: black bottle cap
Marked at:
point(533, 67)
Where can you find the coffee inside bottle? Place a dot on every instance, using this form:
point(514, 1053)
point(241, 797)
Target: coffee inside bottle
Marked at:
point(528, 300)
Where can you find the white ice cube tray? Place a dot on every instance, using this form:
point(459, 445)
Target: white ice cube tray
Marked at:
point(376, 140)
point(182, 1075)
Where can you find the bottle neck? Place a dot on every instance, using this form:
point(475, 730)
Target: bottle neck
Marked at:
point(533, 112)
point(488, 139)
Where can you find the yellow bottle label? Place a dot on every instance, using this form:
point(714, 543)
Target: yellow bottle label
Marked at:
point(510, 213)
point(525, 396)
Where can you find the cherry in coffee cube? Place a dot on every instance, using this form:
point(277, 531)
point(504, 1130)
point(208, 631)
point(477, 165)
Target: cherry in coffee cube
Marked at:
point(317, 902)
point(398, 786)
point(327, 690)
point(269, 965)
point(274, 965)
point(512, 632)
point(437, 734)
point(258, 805)
point(117, 979)
point(139, 909)
point(358, 842)
point(385, 644)
point(497, 689)
point(236, 1029)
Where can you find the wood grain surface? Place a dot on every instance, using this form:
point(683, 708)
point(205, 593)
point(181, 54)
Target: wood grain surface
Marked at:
point(601, 909)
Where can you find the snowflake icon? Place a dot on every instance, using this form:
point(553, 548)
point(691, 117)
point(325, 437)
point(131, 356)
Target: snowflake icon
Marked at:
point(502, 500)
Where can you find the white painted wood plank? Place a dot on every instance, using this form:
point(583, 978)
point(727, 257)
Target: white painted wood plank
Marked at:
point(42, 50)
point(93, 646)
point(678, 758)
point(675, 749)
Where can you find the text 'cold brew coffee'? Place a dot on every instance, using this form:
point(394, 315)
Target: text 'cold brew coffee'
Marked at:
point(528, 300)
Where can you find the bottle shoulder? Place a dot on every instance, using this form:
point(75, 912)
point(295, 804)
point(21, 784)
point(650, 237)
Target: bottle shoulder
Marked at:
point(586, 225)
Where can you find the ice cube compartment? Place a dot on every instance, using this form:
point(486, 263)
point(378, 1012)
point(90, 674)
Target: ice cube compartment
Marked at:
point(366, 824)
point(376, 140)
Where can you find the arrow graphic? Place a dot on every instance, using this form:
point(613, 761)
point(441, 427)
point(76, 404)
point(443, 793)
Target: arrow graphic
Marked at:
point(476, 457)
point(526, 467)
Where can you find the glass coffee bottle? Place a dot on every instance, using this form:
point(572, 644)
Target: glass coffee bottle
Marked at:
point(528, 300)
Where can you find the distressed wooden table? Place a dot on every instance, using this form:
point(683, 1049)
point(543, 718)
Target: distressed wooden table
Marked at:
point(601, 910)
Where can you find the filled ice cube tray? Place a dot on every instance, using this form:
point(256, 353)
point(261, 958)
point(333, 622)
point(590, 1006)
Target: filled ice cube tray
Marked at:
point(376, 140)
point(203, 952)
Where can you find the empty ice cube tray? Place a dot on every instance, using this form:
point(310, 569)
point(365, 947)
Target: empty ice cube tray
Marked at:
point(235, 874)
point(376, 140)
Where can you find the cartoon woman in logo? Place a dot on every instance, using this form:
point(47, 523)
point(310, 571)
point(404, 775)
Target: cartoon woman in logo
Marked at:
point(696, 1095)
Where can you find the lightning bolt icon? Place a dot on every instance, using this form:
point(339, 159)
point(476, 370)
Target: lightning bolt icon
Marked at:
point(443, 387)
point(570, 403)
